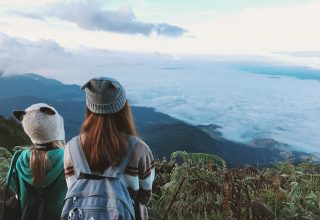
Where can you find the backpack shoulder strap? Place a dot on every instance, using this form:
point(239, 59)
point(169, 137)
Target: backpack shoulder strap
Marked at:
point(119, 170)
point(80, 164)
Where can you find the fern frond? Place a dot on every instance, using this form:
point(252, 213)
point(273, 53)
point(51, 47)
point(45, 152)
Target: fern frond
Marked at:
point(198, 158)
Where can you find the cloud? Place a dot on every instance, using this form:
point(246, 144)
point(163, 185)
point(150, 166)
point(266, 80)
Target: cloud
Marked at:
point(19, 55)
point(3, 23)
point(250, 31)
point(199, 91)
point(246, 105)
point(301, 53)
point(169, 30)
point(90, 15)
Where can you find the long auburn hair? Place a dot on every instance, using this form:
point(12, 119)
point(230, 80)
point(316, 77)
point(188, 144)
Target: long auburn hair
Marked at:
point(105, 143)
point(39, 162)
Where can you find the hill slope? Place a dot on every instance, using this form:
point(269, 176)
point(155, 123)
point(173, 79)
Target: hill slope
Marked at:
point(11, 134)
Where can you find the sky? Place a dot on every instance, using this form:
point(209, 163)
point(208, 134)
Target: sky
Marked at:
point(167, 26)
point(251, 67)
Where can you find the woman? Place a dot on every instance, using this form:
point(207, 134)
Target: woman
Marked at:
point(105, 142)
point(38, 177)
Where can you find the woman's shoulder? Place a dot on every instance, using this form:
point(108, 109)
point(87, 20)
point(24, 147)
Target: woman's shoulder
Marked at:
point(141, 149)
point(142, 145)
point(22, 154)
point(141, 158)
point(59, 152)
point(67, 157)
point(73, 140)
point(19, 155)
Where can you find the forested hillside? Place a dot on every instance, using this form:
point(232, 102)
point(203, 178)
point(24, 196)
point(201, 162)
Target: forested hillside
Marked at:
point(12, 134)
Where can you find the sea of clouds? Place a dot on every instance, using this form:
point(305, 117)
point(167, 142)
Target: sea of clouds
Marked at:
point(247, 103)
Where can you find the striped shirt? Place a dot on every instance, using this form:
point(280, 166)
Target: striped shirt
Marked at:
point(138, 176)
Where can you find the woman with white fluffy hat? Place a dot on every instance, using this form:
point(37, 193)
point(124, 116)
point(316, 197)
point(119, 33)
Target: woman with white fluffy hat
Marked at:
point(40, 169)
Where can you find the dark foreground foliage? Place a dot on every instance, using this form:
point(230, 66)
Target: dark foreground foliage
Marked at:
point(11, 134)
point(206, 189)
point(200, 186)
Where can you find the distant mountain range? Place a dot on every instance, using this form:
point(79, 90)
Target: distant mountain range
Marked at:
point(35, 85)
point(161, 132)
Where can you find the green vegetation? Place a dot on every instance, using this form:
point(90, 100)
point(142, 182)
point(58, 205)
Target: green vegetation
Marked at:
point(5, 156)
point(200, 186)
point(12, 134)
point(206, 189)
point(5, 159)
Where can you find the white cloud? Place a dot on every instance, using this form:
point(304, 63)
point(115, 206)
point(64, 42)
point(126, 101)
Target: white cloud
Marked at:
point(197, 90)
point(247, 106)
point(261, 30)
point(251, 31)
point(308, 61)
point(19, 55)
point(90, 15)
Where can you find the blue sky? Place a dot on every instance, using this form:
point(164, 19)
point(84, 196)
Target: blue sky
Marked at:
point(201, 5)
point(191, 10)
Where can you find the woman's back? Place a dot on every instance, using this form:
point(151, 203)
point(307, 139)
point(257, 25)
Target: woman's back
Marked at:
point(38, 177)
point(104, 145)
point(92, 191)
point(53, 185)
point(137, 177)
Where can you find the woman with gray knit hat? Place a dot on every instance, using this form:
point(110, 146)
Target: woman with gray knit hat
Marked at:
point(38, 177)
point(107, 160)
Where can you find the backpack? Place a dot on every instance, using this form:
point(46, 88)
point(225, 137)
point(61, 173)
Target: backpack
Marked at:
point(95, 196)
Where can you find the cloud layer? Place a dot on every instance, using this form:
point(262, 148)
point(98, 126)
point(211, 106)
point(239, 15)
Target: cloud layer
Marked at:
point(251, 30)
point(90, 15)
point(199, 91)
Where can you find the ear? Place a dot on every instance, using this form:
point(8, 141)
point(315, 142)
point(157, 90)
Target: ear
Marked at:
point(115, 85)
point(18, 115)
point(85, 85)
point(47, 111)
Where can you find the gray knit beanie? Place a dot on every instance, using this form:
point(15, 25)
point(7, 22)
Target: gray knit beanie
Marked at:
point(42, 123)
point(104, 95)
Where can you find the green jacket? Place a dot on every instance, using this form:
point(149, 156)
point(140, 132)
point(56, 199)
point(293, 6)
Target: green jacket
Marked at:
point(55, 194)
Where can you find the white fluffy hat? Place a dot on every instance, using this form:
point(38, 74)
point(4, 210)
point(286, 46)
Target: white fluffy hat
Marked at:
point(42, 123)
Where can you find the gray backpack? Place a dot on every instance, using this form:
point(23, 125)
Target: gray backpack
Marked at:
point(97, 197)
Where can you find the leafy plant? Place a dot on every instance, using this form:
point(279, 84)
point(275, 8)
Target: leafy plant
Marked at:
point(200, 186)
point(5, 157)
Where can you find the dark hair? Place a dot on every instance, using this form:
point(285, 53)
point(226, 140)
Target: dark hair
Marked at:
point(105, 143)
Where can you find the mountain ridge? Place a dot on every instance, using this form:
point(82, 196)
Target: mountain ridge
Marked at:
point(163, 133)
